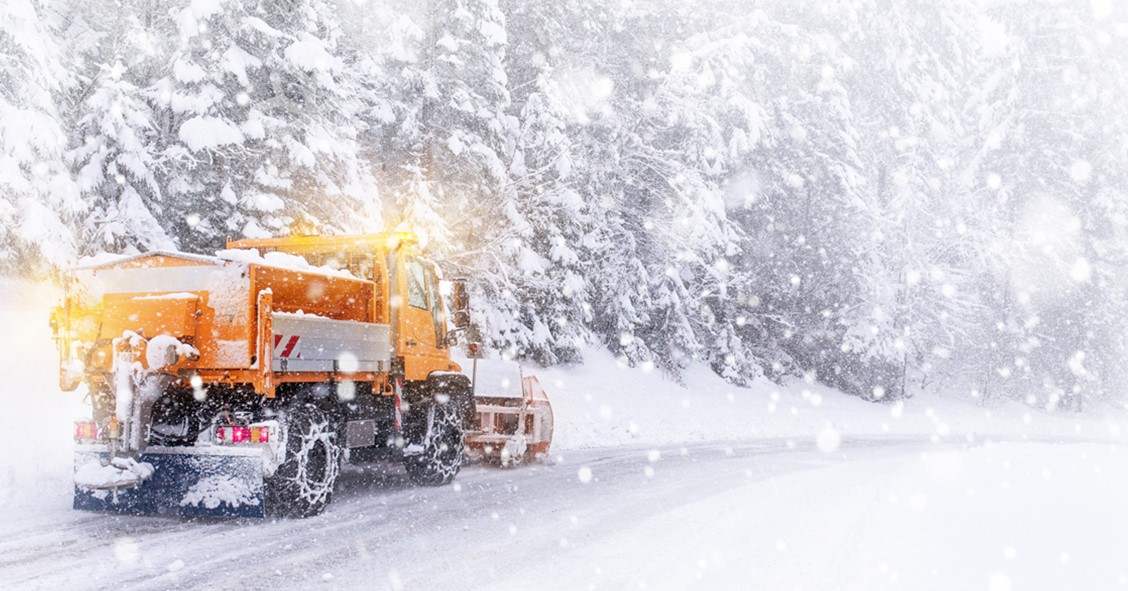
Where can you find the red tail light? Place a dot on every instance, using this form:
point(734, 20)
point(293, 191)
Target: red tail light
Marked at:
point(242, 434)
point(85, 431)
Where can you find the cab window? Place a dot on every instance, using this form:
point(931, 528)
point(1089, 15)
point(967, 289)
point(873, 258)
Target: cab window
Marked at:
point(416, 284)
point(436, 308)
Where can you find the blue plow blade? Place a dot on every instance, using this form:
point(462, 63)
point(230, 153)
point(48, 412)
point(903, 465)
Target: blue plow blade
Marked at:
point(186, 481)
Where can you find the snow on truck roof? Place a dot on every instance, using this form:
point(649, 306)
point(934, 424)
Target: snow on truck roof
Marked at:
point(277, 260)
point(106, 259)
point(319, 244)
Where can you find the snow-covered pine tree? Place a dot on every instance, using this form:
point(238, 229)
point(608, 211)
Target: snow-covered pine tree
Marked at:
point(1046, 116)
point(257, 126)
point(786, 141)
point(621, 303)
point(700, 108)
point(383, 45)
point(918, 291)
point(445, 132)
point(386, 45)
point(453, 140)
point(552, 285)
point(38, 197)
point(114, 146)
point(642, 308)
point(549, 40)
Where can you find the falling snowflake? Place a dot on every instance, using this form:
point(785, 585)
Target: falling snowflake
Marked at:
point(828, 440)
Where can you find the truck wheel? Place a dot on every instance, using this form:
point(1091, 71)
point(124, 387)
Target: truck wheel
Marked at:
point(303, 485)
point(437, 457)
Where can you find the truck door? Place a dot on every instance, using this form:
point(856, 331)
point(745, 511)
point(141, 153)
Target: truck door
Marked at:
point(422, 322)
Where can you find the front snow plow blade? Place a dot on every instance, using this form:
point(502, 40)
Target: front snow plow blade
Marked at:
point(185, 481)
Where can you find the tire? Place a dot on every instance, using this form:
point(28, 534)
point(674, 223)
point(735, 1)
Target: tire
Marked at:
point(439, 446)
point(303, 484)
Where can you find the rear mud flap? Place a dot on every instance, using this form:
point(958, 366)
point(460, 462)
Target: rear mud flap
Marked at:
point(186, 481)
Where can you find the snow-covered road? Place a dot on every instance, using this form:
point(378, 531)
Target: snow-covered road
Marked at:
point(875, 513)
point(917, 509)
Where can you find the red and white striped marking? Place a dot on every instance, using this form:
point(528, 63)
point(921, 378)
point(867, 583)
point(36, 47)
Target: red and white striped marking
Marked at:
point(286, 347)
point(398, 389)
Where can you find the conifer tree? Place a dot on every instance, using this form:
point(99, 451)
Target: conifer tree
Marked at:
point(115, 150)
point(39, 200)
point(257, 125)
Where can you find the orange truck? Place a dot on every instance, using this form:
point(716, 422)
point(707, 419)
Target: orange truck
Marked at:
point(235, 384)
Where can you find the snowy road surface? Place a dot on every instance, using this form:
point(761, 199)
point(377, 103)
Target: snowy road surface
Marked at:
point(874, 513)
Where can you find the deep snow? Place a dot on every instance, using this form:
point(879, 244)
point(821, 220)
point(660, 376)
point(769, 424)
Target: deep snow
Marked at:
point(651, 485)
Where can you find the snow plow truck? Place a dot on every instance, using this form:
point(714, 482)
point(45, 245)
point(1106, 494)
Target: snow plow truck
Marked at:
point(234, 385)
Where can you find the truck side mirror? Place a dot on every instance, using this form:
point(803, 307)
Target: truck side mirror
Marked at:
point(461, 306)
point(452, 337)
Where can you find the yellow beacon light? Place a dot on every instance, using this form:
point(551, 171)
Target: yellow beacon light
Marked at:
point(396, 239)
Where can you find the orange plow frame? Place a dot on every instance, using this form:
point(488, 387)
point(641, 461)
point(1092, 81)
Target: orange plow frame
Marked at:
point(513, 429)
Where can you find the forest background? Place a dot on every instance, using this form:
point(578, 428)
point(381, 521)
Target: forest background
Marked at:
point(882, 195)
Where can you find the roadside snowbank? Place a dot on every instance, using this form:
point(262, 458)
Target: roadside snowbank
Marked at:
point(37, 434)
point(604, 403)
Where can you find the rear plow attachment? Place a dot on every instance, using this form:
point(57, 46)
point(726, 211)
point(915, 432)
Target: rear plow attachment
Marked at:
point(515, 427)
point(184, 481)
